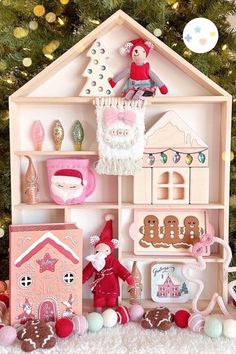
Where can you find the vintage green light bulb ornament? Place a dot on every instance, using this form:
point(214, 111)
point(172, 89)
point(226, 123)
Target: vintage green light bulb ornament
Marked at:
point(77, 135)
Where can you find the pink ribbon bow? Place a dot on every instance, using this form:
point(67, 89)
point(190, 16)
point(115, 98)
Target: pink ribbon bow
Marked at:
point(112, 114)
point(199, 247)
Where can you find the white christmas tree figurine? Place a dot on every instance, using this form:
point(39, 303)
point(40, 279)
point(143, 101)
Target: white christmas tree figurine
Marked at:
point(97, 72)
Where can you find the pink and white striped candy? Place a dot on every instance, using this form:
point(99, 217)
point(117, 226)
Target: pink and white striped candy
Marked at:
point(196, 322)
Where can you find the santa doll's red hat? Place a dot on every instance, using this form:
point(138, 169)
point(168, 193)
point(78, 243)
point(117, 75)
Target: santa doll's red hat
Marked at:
point(107, 233)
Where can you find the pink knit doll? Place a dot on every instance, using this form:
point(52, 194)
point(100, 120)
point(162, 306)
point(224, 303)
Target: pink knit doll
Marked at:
point(141, 80)
point(106, 268)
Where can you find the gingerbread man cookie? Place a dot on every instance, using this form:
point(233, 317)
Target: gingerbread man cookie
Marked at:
point(36, 334)
point(191, 231)
point(170, 231)
point(160, 318)
point(150, 231)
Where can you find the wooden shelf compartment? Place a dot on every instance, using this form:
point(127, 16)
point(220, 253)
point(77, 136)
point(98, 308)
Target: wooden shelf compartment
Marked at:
point(129, 256)
point(173, 206)
point(90, 100)
point(57, 153)
point(85, 205)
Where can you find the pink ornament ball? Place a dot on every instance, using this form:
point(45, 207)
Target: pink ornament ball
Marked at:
point(136, 312)
point(123, 314)
point(7, 335)
point(64, 327)
point(80, 325)
point(181, 318)
point(196, 322)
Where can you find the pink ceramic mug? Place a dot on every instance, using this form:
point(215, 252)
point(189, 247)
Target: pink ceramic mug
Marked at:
point(70, 180)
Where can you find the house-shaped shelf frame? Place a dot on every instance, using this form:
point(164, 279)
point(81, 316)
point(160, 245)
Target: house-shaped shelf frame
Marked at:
point(42, 99)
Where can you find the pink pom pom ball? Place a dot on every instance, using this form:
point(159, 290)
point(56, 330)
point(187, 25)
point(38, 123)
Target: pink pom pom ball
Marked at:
point(80, 325)
point(7, 335)
point(136, 312)
point(123, 314)
point(196, 322)
point(64, 327)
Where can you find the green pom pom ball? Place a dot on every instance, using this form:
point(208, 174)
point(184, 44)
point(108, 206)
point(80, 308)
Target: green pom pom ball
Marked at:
point(213, 327)
point(95, 321)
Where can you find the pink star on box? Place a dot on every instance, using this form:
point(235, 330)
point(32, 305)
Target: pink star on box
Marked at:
point(47, 263)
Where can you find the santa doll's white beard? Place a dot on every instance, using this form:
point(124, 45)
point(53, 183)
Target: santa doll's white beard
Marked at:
point(97, 260)
point(66, 194)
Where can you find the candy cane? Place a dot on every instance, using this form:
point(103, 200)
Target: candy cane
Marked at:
point(197, 250)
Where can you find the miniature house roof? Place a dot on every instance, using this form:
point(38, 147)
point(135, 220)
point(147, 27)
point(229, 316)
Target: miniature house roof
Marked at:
point(171, 130)
point(174, 280)
point(47, 239)
point(120, 18)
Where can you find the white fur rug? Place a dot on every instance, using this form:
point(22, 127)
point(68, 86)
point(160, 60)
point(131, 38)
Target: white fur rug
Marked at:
point(132, 339)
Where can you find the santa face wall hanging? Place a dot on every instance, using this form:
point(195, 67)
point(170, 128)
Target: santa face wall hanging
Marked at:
point(70, 180)
point(120, 136)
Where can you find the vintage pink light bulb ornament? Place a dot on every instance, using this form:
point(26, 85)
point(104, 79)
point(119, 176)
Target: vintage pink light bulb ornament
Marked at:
point(38, 134)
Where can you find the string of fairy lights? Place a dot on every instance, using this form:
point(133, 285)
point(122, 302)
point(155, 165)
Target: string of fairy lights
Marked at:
point(176, 156)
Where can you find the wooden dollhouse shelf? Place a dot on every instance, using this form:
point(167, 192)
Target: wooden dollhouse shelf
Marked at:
point(86, 205)
point(57, 153)
point(129, 256)
point(169, 206)
point(90, 100)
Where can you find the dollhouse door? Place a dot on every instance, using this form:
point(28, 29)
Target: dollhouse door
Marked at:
point(47, 311)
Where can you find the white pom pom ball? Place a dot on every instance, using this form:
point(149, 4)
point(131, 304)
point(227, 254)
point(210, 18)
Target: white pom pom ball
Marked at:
point(136, 312)
point(196, 322)
point(229, 328)
point(7, 335)
point(109, 318)
point(109, 217)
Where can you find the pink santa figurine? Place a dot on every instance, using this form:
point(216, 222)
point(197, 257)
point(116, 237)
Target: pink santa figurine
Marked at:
point(141, 80)
point(107, 269)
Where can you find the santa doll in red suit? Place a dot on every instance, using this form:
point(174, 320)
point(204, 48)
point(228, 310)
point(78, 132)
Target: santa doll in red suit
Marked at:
point(141, 80)
point(107, 269)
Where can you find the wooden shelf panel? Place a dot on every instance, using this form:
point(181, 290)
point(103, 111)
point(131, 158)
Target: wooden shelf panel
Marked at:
point(173, 206)
point(86, 205)
point(56, 153)
point(129, 256)
point(149, 304)
point(90, 100)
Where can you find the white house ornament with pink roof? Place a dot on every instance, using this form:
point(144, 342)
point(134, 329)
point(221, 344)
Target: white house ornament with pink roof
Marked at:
point(45, 268)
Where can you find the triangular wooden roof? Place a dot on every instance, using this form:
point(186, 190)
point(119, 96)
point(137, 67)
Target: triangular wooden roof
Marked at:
point(47, 238)
point(188, 136)
point(120, 18)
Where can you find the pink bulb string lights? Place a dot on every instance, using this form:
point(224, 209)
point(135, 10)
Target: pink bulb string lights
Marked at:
point(197, 251)
point(38, 134)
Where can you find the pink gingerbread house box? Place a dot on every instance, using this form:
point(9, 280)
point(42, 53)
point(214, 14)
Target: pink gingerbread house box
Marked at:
point(45, 271)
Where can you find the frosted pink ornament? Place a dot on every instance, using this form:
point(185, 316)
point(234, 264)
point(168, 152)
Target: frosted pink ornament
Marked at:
point(37, 133)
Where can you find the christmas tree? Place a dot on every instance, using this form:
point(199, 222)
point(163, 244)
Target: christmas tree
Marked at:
point(184, 289)
point(97, 72)
point(34, 33)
